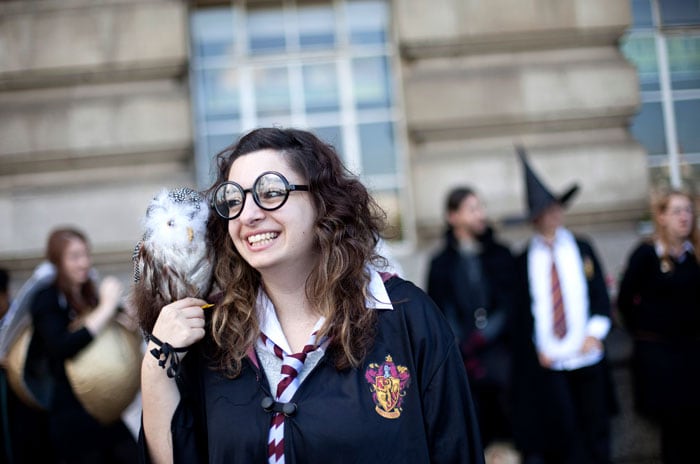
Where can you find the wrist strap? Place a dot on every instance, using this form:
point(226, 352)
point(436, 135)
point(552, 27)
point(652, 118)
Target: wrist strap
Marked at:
point(164, 352)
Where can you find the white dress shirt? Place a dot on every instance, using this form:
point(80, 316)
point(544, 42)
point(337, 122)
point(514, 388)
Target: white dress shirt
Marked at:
point(565, 352)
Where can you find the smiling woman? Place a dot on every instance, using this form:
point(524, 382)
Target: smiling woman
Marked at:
point(310, 352)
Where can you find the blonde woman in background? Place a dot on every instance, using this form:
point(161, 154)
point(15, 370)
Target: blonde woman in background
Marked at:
point(659, 301)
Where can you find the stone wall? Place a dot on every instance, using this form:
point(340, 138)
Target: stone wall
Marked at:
point(479, 77)
point(94, 120)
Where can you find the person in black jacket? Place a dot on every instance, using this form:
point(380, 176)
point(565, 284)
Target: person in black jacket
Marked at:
point(563, 394)
point(67, 315)
point(309, 354)
point(659, 301)
point(471, 281)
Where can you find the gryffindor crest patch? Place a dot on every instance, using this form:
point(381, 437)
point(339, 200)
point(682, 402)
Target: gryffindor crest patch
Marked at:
point(388, 383)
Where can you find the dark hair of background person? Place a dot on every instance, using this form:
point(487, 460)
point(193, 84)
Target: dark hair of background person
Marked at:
point(456, 196)
point(659, 208)
point(347, 229)
point(58, 241)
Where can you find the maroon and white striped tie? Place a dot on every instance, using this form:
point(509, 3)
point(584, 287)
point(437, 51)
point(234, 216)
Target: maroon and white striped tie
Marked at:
point(558, 314)
point(287, 387)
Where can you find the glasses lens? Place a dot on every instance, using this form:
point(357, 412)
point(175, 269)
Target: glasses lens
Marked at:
point(271, 191)
point(228, 200)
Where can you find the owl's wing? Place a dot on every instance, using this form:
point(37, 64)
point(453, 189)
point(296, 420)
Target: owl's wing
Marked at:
point(146, 295)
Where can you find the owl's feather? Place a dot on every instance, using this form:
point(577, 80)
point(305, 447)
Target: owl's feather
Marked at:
point(172, 260)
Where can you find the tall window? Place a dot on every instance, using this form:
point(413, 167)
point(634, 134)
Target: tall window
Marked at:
point(326, 66)
point(664, 43)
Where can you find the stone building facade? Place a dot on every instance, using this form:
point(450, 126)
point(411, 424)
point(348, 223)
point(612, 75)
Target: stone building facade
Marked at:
point(96, 117)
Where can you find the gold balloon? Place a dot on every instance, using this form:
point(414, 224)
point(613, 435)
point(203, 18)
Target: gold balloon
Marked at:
point(105, 374)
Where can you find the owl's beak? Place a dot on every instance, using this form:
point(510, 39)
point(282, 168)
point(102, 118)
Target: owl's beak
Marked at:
point(190, 234)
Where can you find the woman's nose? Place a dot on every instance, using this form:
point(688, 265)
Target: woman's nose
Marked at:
point(251, 212)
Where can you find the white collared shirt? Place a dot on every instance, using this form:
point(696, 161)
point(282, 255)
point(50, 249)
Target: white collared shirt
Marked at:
point(378, 298)
point(565, 352)
point(686, 249)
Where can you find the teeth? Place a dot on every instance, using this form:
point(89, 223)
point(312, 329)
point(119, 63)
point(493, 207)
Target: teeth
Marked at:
point(259, 238)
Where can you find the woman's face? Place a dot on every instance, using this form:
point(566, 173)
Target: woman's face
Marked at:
point(272, 241)
point(76, 261)
point(677, 219)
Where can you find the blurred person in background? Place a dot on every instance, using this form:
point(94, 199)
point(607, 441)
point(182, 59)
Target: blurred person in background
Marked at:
point(659, 301)
point(24, 429)
point(471, 281)
point(67, 316)
point(563, 392)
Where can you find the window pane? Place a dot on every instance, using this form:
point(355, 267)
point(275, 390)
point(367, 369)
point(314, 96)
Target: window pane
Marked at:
point(694, 179)
point(371, 79)
point(219, 93)
point(648, 128)
point(266, 29)
point(321, 88)
point(272, 91)
point(217, 142)
point(316, 26)
point(641, 51)
point(377, 148)
point(332, 135)
point(679, 12)
point(367, 21)
point(687, 126)
point(684, 61)
point(641, 12)
point(212, 32)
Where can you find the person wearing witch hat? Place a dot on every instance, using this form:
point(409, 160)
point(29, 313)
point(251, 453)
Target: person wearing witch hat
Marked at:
point(563, 395)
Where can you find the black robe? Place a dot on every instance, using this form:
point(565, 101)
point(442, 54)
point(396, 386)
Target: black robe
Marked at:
point(447, 279)
point(660, 306)
point(478, 309)
point(338, 419)
point(75, 435)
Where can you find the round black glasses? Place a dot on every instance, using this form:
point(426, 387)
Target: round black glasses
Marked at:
point(270, 191)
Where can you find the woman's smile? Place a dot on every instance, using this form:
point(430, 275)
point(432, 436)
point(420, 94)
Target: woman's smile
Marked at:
point(262, 239)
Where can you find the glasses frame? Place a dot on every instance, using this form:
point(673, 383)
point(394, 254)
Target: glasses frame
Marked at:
point(252, 190)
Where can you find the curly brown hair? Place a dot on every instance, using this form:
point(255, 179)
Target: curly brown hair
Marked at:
point(347, 230)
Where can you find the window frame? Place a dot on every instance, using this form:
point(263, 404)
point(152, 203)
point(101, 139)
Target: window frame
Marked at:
point(348, 119)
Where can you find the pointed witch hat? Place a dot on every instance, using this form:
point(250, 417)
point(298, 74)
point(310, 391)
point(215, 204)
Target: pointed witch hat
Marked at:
point(539, 197)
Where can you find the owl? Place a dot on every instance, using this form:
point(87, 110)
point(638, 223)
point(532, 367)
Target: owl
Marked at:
point(172, 260)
